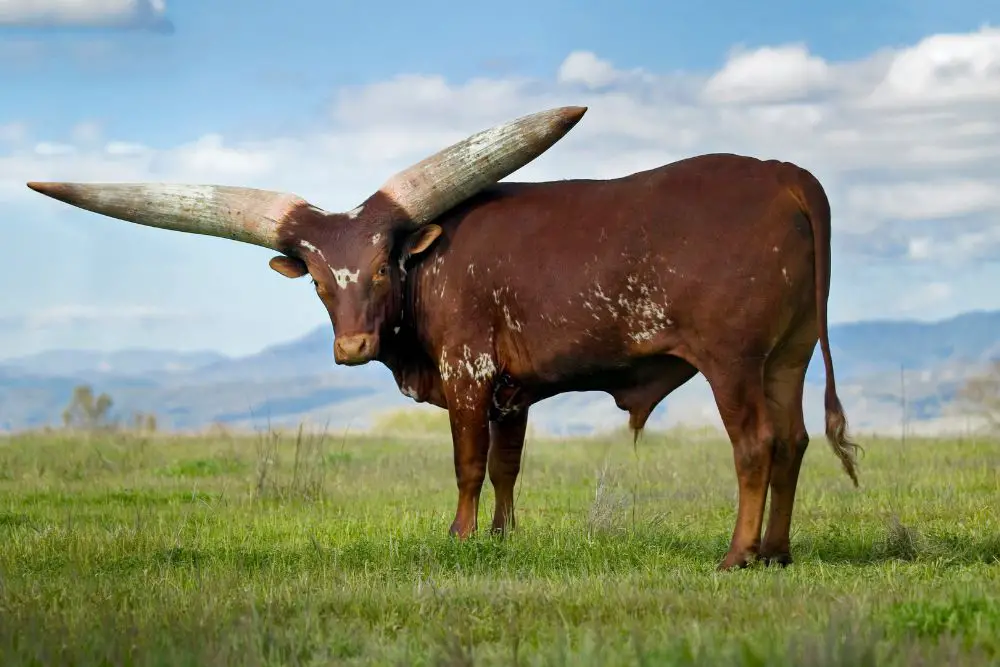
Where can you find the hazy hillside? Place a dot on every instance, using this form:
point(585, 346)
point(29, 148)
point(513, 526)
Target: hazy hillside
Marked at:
point(122, 362)
point(865, 348)
point(297, 380)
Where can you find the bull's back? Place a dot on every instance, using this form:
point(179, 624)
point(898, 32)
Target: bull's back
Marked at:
point(581, 275)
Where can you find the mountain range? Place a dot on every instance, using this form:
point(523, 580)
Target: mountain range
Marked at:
point(876, 363)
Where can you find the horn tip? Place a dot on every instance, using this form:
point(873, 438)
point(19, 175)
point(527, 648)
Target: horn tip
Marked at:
point(49, 189)
point(570, 116)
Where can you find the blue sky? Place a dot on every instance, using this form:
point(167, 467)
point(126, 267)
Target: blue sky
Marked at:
point(894, 105)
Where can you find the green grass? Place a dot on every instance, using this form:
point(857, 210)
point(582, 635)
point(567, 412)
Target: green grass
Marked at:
point(252, 551)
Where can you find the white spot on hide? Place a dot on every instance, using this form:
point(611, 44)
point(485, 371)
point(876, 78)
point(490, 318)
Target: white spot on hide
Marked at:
point(376, 237)
point(511, 322)
point(479, 369)
point(444, 367)
point(343, 276)
point(640, 305)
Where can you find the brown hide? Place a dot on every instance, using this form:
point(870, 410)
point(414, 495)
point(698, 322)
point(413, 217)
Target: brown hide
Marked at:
point(717, 264)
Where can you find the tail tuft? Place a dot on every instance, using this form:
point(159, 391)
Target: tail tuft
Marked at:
point(836, 434)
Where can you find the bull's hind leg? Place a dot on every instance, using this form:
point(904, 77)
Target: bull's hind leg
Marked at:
point(784, 381)
point(739, 394)
point(506, 445)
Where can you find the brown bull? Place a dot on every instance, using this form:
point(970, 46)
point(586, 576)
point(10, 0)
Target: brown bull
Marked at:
point(485, 298)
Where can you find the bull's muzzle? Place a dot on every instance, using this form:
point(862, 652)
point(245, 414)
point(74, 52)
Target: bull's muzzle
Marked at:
point(354, 350)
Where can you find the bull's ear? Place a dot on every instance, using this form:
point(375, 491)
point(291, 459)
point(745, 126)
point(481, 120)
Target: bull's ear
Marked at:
point(420, 240)
point(290, 267)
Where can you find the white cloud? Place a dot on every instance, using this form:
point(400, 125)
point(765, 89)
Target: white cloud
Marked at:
point(959, 248)
point(924, 296)
point(926, 199)
point(13, 133)
point(86, 132)
point(76, 314)
point(908, 137)
point(130, 14)
point(763, 75)
point(123, 148)
point(944, 69)
point(584, 67)
point(51, 148)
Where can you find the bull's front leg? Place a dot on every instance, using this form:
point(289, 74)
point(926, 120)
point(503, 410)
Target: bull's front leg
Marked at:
point(468, 406)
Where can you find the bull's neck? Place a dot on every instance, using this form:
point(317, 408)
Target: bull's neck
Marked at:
point(412, 337)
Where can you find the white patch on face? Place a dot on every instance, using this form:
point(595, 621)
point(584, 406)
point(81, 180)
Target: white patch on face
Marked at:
point(355, 212)
point(343, 276)
point(395, 330)
point(784, 272)
point(409, 391)
point(376, 237)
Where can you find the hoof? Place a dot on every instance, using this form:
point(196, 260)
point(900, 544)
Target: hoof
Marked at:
point(780, 559)
point(461, 532)
point(737, 561)
point(501, 528)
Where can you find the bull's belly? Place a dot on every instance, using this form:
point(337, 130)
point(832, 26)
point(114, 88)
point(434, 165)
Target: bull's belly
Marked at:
point(592, 358)
point(636, 382)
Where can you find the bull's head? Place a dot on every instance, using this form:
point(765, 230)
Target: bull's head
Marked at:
point(355, 259)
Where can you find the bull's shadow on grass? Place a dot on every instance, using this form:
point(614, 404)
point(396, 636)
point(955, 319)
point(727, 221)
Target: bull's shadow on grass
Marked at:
point(537, 555)
point(898, 542)
point(10, 520)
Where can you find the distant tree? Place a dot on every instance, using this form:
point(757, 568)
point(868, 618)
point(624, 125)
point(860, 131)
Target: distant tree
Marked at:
point(981, 395)
point(144, 421)
point(85, 410)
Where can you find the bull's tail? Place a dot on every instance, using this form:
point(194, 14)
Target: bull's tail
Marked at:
point(817, 209)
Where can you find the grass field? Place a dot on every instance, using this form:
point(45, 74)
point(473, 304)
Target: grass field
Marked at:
point(251, 551)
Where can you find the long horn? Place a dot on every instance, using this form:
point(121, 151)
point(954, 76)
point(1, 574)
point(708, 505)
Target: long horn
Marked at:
point(242, 214)
point(435, 184)
point(423, 191)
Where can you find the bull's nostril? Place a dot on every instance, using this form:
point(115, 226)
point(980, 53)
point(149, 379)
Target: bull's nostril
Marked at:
point(353, 349)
